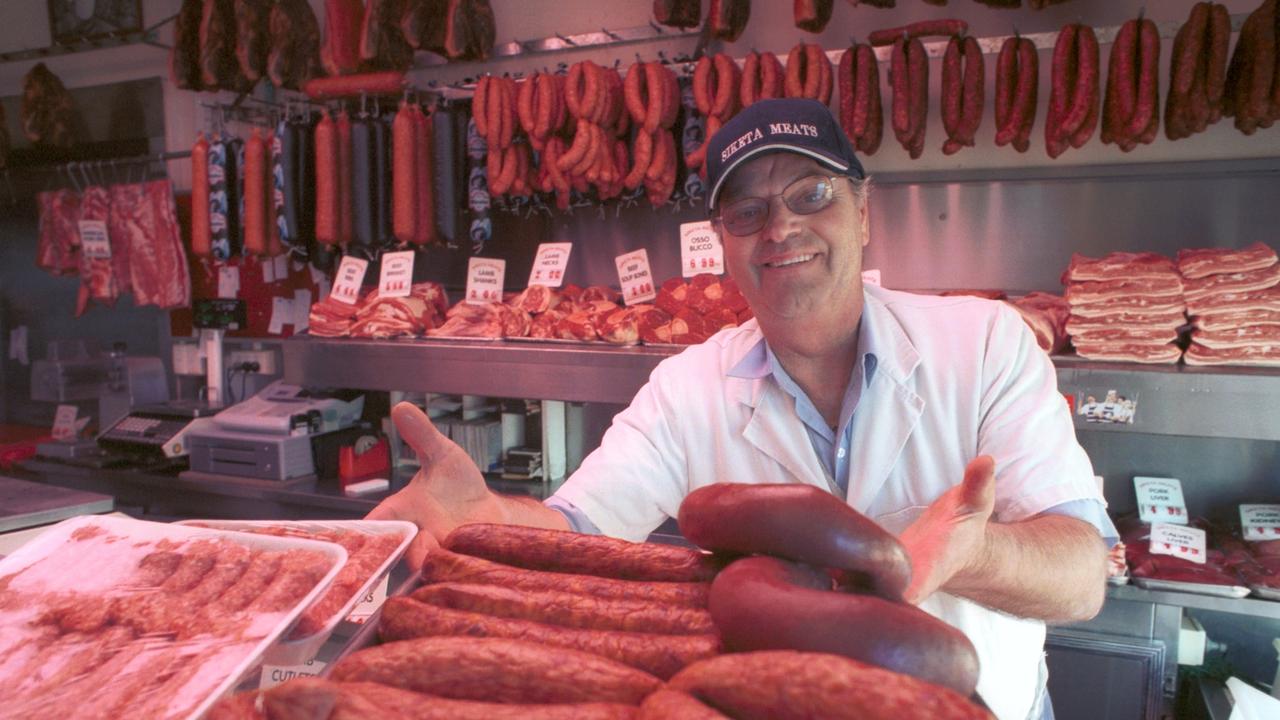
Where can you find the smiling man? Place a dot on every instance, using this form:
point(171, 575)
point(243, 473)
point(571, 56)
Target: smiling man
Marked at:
point(937, 417)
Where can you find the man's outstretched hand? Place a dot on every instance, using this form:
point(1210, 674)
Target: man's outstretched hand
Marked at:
point(949, 537)
point(446, 492)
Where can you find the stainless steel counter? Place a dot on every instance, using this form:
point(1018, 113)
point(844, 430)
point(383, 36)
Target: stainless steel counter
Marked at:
point(26, 504)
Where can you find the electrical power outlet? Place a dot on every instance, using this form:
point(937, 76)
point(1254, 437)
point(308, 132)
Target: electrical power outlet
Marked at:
point(266, 360)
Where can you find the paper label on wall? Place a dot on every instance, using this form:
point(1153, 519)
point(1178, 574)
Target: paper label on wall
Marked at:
point(1178, 541)
point(273, 675)
point(281, 315)
point(550, 264)
point(94, 242)
point(396, 277)
point(228, 282)
point(64, 422)
point(370, 603)
point(635, 277)
point(268, 272)
point(1260, 522)
point(700, 249)
point(350, 277)
point(871, 277)
point(484, 280)
point(301, 310)
point(1160, 500)
point(18, 344)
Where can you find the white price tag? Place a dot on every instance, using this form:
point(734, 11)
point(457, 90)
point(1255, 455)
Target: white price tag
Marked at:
point(700, 249)
point(228, 282)
point(871, 277)
point(281, 315)
point(273, 675)
point(370, 603)
point(484, 280)
point(346, 288)
point(281, 263)
point(1260, 522)
point(635, 277)
point(397, 274)
point(64, 422)
point(268, 272)
point(301, 310)
point(550, 264)
point(94, 242)
point(1160, 500)
point(1178, 541)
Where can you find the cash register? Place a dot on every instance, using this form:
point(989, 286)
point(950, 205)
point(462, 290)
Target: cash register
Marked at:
point(270, 435)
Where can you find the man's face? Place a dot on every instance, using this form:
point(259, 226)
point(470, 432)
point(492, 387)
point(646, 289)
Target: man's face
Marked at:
point(796, 265)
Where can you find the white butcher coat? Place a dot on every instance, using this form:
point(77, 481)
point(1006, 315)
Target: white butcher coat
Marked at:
point(954, 378)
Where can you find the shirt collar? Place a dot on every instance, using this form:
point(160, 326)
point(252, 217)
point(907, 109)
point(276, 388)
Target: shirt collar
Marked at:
point(759, 361)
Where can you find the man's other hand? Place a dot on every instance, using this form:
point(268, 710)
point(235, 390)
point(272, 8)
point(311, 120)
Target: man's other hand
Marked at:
point(950, 535)
point(446, 492)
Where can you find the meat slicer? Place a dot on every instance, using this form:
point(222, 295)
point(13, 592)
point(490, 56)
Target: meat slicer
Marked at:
point(76, 372)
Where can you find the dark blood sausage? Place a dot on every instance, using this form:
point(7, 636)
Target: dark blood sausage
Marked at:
point(1006, 79)
point(561, 551)
point(667, 704)
point(768, 685)
point(315, 699)
point(797, 522)
point(951, 87)
point(496, 670)
point(1028, 66)
point(660, 655)
point(974, 92)
point(1062, 75)
point(568, 609)
point(1147, 103)
point(900, 83)
point(869, 68)
point(1087, 92)
point(763, 603)
point(444, 566)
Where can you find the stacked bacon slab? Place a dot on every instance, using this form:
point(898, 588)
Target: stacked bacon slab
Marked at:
point(1125, 306)
point(1233, 297)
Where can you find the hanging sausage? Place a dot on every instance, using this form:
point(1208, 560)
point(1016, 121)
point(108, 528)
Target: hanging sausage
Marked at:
point(326, 166)
point(255, 194)
point(425, 201)
point(200, 197)
point(362, 185)
point(404, 178)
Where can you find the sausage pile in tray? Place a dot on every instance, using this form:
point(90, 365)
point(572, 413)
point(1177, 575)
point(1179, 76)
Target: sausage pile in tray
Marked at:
point(786, 621)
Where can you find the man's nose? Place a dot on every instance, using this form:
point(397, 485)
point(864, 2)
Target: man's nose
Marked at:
point(781, 223)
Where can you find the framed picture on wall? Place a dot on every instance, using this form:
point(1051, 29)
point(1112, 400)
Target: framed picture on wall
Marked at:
point(71, 21)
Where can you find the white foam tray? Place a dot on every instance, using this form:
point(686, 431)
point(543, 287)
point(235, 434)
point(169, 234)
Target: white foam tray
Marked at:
point(63, 559)
point(296, 652)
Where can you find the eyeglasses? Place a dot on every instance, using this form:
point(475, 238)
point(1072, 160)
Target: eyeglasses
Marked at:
point(805, 196)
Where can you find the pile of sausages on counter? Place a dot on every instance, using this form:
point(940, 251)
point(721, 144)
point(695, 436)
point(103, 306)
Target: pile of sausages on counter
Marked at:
point(800, 617)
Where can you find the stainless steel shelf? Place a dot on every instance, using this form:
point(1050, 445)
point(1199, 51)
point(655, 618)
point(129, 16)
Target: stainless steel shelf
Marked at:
point(1238, 606)
point(1171, 400)
point(1221, 402)
point(544, 371)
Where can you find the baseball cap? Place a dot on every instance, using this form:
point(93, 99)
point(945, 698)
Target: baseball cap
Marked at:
point(793, 125)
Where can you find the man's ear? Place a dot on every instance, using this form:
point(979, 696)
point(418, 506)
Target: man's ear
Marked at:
point(864, 217)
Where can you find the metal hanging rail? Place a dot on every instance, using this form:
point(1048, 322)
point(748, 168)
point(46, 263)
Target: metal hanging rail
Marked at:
point(606, 38)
